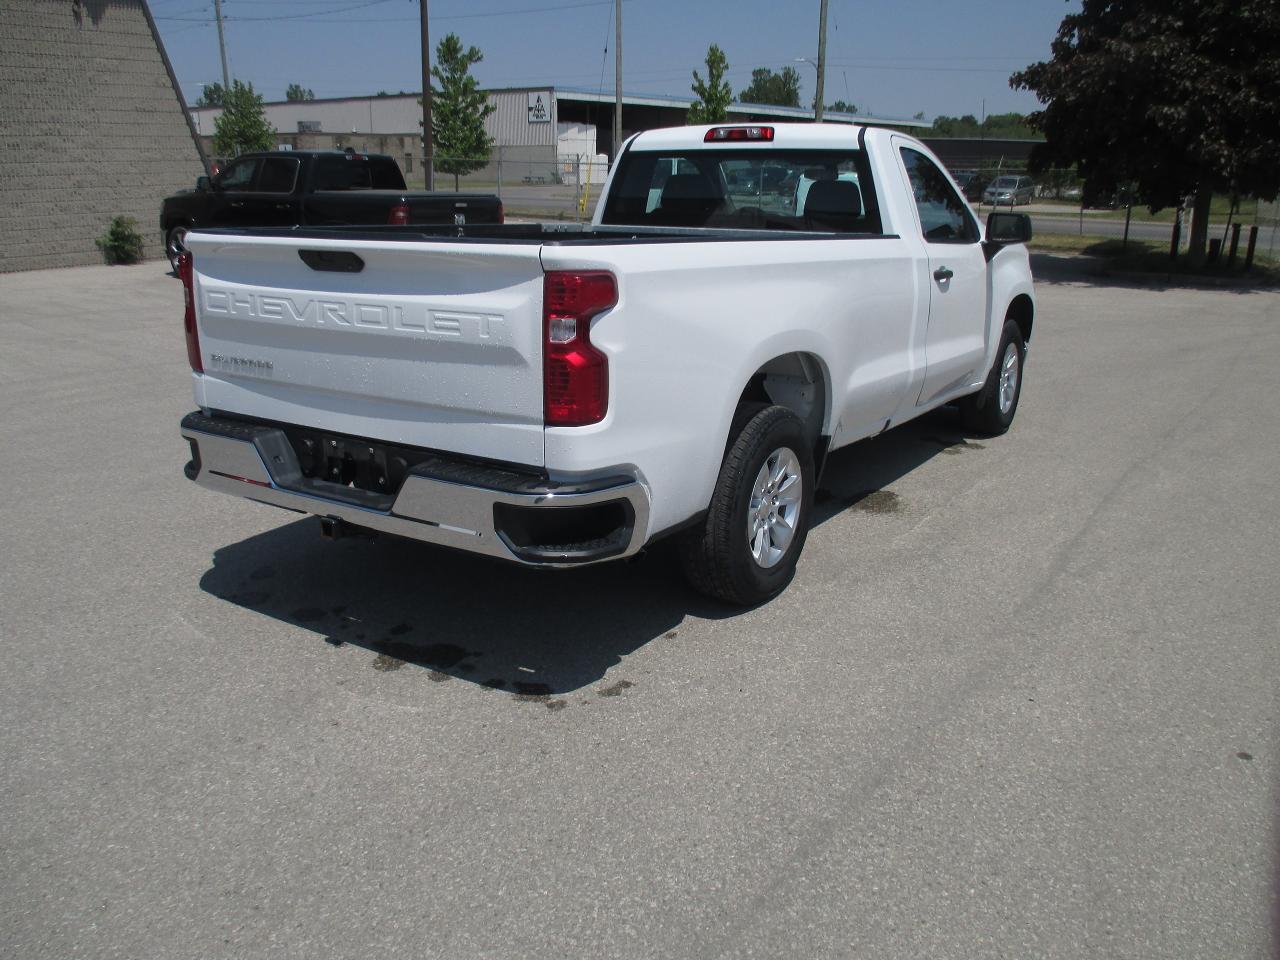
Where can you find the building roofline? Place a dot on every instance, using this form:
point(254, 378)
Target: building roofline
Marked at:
point(736, 107)
point(582, 95)
point(177, 87)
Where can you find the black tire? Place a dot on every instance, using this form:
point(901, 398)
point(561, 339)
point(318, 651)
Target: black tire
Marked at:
point(990, 411)
point(173, 243)
point(718, 557)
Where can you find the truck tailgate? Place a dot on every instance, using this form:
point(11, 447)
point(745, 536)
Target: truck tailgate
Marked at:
point(427, 344)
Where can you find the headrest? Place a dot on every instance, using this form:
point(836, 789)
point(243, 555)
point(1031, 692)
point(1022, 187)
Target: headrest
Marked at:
point(688, 186)
point(833, 198)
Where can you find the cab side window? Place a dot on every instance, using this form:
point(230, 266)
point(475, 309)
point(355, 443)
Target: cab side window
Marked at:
point(944, 216)
point(238, 176)
point(277, 175)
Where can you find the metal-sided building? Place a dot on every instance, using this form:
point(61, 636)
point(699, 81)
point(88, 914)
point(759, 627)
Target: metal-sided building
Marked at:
point(539, 133)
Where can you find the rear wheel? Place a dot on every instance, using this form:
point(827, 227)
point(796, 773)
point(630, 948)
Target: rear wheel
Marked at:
point(747, 549)
point(990, 411)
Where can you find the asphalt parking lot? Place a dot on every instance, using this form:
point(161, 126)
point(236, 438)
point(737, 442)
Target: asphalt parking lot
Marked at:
point(1021, 700)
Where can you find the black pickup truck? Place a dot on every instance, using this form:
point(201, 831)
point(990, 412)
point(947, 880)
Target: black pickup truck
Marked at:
point(313, 188)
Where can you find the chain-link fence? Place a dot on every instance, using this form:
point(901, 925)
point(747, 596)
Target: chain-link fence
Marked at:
point(534, 187)
point(1061, 202)
point(1267, 218)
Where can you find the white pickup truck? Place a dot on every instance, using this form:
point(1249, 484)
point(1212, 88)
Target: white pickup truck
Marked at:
point(746, 300)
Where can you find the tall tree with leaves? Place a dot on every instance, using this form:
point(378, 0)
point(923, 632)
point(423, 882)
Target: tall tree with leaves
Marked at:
point(714, 94)
point(458, 110)
point(996, 126)
point(212, 95)
point(780, 89)
point(242, 126)
point(1177, 96)
point(296, 93)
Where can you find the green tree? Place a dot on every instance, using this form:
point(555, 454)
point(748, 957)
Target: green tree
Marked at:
point(242, 126)
point(997, 126)
point(715, 94)
point(458, 110)
point(1177, 96)
point(842, 106)
point(780, 89)
point(296, 93)
point(212, 95)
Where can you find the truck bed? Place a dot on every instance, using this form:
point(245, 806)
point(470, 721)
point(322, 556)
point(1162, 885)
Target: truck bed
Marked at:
point(533, 233)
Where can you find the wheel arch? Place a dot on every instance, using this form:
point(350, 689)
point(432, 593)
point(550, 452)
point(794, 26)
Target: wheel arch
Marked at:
point(1022, 312)
point(179, 218)
point(800, 382)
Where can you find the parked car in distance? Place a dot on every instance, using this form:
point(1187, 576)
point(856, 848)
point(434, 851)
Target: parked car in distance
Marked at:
point(313, 188)
point(1009, 190)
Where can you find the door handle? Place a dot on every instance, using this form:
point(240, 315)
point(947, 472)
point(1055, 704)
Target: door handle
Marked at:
point(942, 274)
point(237, 203)
point(282, 206)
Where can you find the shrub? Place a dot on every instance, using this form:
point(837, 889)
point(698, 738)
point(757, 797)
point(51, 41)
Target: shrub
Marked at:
point(123, 243)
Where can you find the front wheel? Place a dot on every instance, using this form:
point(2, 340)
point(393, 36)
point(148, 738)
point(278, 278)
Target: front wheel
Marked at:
point(746, 551)
point(175, 241)
point(990, 411)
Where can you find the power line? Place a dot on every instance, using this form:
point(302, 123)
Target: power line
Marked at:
point(318, 16)
point(294, 16)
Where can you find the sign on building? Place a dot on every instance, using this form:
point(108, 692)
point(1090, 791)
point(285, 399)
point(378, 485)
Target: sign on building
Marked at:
point(540, 107)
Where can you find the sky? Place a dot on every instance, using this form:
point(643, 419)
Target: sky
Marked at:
point(892, 58)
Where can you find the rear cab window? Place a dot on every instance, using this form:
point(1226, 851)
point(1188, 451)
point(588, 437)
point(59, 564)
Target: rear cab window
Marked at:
point(356, 172)
point(820, 191)
point(277, 175)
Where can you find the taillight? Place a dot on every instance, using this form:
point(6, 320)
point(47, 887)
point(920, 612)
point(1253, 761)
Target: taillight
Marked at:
point(575, 374)
point(399, 215)
point(186, 271)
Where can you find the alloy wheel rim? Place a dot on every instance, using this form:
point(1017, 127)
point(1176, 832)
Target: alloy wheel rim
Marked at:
point(773, 513)
point(1008, 388)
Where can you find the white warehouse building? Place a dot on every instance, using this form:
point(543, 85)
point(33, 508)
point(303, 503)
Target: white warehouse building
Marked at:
point(541, 134)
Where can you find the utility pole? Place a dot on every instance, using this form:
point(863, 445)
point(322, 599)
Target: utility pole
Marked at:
point(428, 154)
point(822, 61)
point(617, 78)
point(222, 47)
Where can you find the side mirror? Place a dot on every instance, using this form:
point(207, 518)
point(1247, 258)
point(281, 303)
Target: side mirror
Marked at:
point(1008, 228)
point(202, 183)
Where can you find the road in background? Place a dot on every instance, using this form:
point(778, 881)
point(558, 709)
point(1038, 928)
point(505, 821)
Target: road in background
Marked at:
point(1021, 700)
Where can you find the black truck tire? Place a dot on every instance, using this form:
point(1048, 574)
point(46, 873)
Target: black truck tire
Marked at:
point(990, 411)
point(746, 550)
point(175, 242)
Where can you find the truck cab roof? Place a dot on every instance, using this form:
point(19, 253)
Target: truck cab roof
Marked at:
point(309, 154)
point(808, 136)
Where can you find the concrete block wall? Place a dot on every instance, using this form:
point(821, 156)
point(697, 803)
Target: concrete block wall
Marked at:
point(90, 127)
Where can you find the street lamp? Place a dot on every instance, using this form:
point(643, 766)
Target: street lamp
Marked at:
point(817, 104)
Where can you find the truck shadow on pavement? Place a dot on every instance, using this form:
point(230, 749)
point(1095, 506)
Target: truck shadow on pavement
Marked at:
point(1052, 269)
point(531, 633)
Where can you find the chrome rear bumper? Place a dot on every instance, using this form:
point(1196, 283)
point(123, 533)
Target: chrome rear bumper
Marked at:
point(472, 507)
